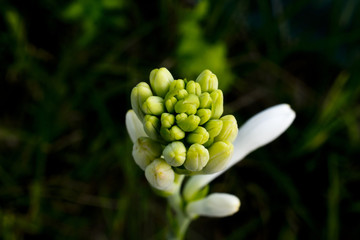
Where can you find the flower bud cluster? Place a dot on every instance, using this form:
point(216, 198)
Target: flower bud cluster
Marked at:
point(184, 124)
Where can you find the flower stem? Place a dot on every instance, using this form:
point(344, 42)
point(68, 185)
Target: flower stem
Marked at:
point(181, 221)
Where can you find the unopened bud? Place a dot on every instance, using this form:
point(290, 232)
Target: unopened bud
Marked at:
point(175, 154)
point(134, 126)
point(204, 115)
point(229, 130)
point(139, 94)
point(214, 205)
point(172, 134)
point(145, 150)
point(220, 154)
point(209, 143)
point(167, 120)
point(200, 136)
point(188, 105)
point(181, 94)
point(170, 104)
point(187, 123)
point(177, 85)
point(214, 127)
point(152, 126)
point(208, 81)
point(160, 80)
point(154, 105)
point(205, 100)
point(160, 175)
point(217, 107)
point(193, 88)
point(196, 158)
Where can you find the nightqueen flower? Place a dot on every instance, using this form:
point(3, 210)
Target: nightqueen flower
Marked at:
point(183, 120)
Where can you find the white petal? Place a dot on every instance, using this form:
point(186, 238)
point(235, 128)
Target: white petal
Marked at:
point(214, 205)
point(134, 126)
point(259, 130)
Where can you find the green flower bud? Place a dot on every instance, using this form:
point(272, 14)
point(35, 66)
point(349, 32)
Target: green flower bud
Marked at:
point(187, 123)
point(229, 130)
point(214, 127)
point(145, 150)
point(152, 126)
point(175, 154)
point(200, 136)
point(177, 93)
point(177, 85)
point(204, 115)
point(182, 94)
point(188, 105)
point(172, 134)
point(208, 81)
point(170, 104)
point(209, 143)
point(167, 120)
point(205, 100)
point(139, 94)
point(196, 158)
point(217, 107)
point(193, 88)
point(160, 80)
point(220, 154)
point(160, 175)
point(153, 105)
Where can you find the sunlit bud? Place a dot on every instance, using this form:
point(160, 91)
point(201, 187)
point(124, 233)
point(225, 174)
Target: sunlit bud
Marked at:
point(154, 105)
point(175, 154)
point(177, 93)
point(160, 80)
point(159, 174)
point(205, 100)
point(187, 123)
point(229, 130)
point(204, 115)
point(220, 154)
point(208, 81)
point(196, 157)
point(200, 135)
point(152, 126)
point(214, 127)
point(177, 85)
point(217, 107)
point(172, 134)
point(139, 94)
point(214, 205)
point(167, 120)
point(188, 105)
point(145, 150)
point(170, 104)
point(193, 88)
point(181, 94)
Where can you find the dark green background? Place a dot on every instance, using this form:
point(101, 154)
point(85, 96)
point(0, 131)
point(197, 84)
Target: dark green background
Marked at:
point(66, 72)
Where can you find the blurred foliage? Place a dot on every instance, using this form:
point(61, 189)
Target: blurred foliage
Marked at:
point(67, 68)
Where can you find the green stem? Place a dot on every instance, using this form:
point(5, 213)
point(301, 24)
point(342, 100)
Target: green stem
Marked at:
point(182, 221)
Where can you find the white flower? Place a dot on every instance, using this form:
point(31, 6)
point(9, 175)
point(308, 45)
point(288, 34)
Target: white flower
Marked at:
point(134, 126)
point(214, 205)
point(259, 130)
